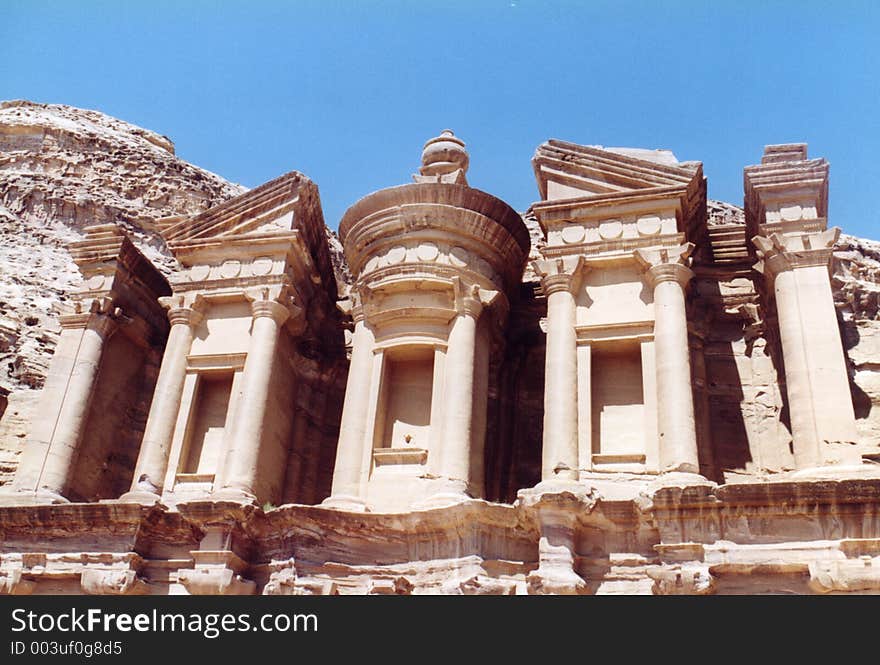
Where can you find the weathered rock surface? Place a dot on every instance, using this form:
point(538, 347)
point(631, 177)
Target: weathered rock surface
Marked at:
point(62, 169)
point(856, 282)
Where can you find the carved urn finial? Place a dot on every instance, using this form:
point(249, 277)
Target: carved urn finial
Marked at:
point(444, 159)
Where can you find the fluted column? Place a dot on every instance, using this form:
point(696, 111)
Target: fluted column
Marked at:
point(349, 472)
point(49, 460)
point(243, 453)
point(152, 461)
point(675, 407)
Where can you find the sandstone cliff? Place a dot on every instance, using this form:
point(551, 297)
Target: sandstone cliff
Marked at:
point(62, 169)
point(856, 283)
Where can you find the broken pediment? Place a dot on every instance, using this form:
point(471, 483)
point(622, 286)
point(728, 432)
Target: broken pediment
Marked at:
point(270, 208)
point(567, 170)
point(268, 219)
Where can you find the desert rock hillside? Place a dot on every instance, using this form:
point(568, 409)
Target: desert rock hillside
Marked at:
point(63, 168)
point(856, 283)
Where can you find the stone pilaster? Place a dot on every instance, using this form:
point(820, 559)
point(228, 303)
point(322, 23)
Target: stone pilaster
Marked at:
point(152, 461)
point(668, 276)
point(817, 383)
point(50, 455)
point(241, 466)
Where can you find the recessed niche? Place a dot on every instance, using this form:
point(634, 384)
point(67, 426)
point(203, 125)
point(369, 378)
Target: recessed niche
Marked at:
point(204, 444)
point(618, 404)
point(405, 411)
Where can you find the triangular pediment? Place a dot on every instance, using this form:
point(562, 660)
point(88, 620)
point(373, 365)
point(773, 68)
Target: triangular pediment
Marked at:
point(269, 208)
point(567, 170)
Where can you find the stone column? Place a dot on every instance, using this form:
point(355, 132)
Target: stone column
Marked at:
point(348, 473)
point(459, 397)
point(152, 463)
point(675, 408)
point(243, 453)
point(49, 462)
point(817, 383)
point(675, 402)
point(560, 448)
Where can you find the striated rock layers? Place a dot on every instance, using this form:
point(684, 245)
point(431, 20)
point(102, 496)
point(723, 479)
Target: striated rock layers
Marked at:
point(62, 169)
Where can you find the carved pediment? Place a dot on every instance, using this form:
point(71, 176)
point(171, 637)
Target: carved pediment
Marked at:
point(568, 170)
point(270, 208)
point(281, 215)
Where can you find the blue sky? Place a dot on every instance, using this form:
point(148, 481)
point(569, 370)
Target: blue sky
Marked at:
point(347, 92)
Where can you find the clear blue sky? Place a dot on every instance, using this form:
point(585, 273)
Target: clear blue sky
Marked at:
point(347, 92)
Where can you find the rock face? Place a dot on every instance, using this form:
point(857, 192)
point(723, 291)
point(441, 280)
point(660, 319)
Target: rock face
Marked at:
point(61, 169)
point(856, 282)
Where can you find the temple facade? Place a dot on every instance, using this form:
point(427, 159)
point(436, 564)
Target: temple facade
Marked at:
point(614, 392)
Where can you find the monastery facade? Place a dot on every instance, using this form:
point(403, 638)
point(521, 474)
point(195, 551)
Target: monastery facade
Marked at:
point(613, 393)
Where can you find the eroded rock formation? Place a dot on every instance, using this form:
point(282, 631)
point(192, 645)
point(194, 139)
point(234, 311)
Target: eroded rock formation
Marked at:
point(62, 169)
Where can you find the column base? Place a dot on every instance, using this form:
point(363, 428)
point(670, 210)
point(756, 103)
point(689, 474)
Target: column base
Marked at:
point(556, 492)
point(346, 502)
point(447, 492)
point(234, 494)
point(39, 497)
point(682, 467)
point(833, 472)
point(555, 485)
point(141, 497)
point(674, 478)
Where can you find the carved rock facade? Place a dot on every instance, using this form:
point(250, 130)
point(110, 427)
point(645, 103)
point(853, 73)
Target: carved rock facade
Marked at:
point(441, 424)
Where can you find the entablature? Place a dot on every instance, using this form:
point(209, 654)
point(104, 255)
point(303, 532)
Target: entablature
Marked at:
point(786, 192)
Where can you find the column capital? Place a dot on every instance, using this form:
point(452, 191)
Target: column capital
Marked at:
point(778, 253)
point(352, 305)
point(669, 272)
point(560, 274)
point(275, 303)
point(74, 321)
point(184, 309)
point(103, 324)
point(470, 299)
point(666, 264)
point(184, 316)
point(101, 317)
point(271, 309)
